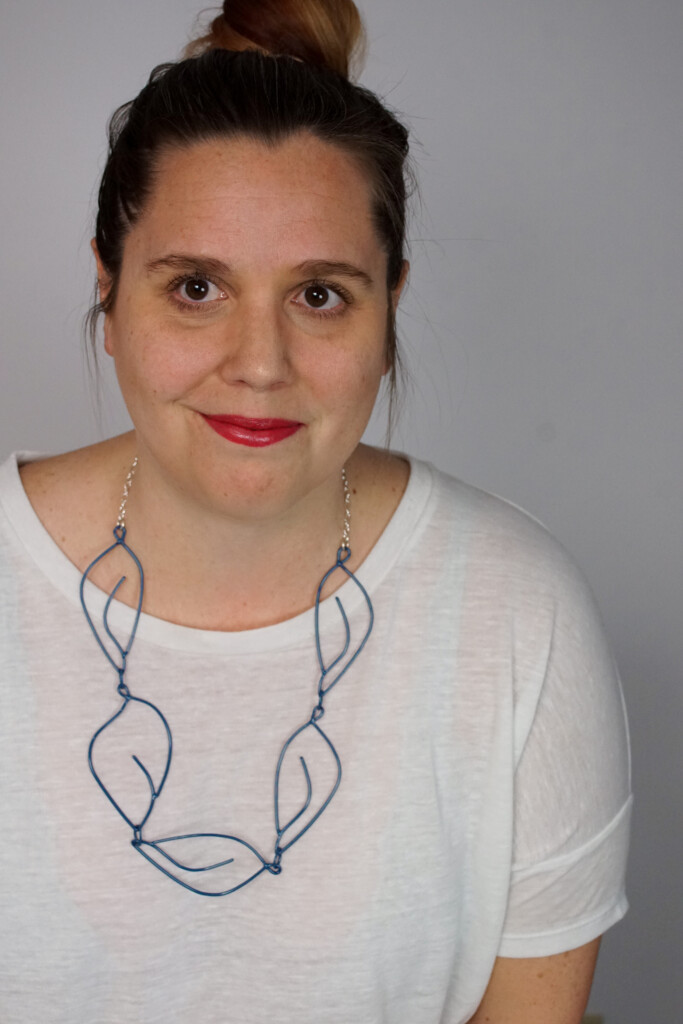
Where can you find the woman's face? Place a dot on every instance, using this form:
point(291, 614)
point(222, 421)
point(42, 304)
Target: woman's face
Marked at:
point(250, 319)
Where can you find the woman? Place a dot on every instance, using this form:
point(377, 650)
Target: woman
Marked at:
point(439, 837)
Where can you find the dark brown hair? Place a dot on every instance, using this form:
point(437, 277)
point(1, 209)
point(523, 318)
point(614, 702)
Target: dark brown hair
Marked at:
point(285, 72)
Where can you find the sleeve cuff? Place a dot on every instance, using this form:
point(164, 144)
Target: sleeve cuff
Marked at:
point(553, 941)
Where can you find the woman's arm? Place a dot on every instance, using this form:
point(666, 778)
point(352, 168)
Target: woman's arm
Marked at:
point(539, 990)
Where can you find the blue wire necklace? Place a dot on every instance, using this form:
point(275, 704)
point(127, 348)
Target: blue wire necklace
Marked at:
point(172, 853)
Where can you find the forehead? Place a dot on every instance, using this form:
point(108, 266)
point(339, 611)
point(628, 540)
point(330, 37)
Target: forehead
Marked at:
point(292, 200)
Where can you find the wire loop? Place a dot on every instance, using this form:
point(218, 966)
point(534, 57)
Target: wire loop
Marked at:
point(190, 851)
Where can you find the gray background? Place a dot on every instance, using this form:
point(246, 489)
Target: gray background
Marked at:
point(542, 326)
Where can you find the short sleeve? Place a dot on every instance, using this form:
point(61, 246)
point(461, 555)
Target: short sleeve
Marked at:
point(572, 797)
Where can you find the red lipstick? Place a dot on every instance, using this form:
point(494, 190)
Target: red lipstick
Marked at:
point(254, 433)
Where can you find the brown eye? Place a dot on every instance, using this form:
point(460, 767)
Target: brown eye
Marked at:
point(317, 296)
point(196, 289)
point(320, 298)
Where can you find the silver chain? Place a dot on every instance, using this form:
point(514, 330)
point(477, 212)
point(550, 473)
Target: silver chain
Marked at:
point(346, 531)
point(121, 521)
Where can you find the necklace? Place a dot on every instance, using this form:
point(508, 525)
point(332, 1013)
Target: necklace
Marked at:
point(182, 858)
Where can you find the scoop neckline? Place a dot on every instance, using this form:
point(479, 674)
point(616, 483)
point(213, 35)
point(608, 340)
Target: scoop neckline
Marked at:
point(49, 558)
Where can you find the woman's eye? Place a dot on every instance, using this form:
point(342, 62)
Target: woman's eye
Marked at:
point(198, 291)
point(320, 298)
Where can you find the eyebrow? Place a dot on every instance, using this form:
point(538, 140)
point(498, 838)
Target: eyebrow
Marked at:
point(334, 268)
point(209, 265)
point(183, 261)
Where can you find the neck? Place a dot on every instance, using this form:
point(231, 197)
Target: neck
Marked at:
point(210, 570)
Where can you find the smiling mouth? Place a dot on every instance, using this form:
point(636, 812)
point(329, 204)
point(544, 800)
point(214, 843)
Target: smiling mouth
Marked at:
point(252, 432)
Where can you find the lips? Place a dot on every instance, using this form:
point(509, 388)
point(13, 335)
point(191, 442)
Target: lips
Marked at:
point(252, 432)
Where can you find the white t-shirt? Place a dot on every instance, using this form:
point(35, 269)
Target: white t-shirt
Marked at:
point(483, 807)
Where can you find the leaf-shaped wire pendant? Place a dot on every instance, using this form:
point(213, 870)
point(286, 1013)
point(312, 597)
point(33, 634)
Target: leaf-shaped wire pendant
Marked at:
point(144, 788)
point(139, 783)
point(211, 863)
point(343, 555)
point(123, 649)
point(320, 803)
point(207, 863)
point(314, 801)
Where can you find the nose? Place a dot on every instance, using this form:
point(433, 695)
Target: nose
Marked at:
point(256, 352)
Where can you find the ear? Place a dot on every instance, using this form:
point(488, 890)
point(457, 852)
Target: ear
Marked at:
point(394, 297)
point(396, 292)
point(104, 283)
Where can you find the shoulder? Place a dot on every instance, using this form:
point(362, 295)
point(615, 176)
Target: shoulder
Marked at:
point(507, 567)
point(501, 536)
point(72, 491)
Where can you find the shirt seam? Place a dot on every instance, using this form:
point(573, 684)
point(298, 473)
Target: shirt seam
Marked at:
point(577, 855)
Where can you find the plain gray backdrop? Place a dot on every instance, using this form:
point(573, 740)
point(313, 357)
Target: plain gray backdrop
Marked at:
point(542, 325)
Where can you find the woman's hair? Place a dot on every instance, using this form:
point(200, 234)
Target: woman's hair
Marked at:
point(324, 33)
point(266, 69)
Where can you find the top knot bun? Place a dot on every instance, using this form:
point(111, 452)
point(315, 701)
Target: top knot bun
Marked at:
point(324, 33)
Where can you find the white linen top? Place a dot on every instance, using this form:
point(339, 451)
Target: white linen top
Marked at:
point(483, 808)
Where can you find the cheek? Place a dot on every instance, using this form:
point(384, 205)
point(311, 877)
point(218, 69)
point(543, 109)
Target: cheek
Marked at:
point(152, 363)
point(348, 380)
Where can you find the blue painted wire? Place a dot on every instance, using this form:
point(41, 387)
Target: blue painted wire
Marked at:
point(145, 846)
